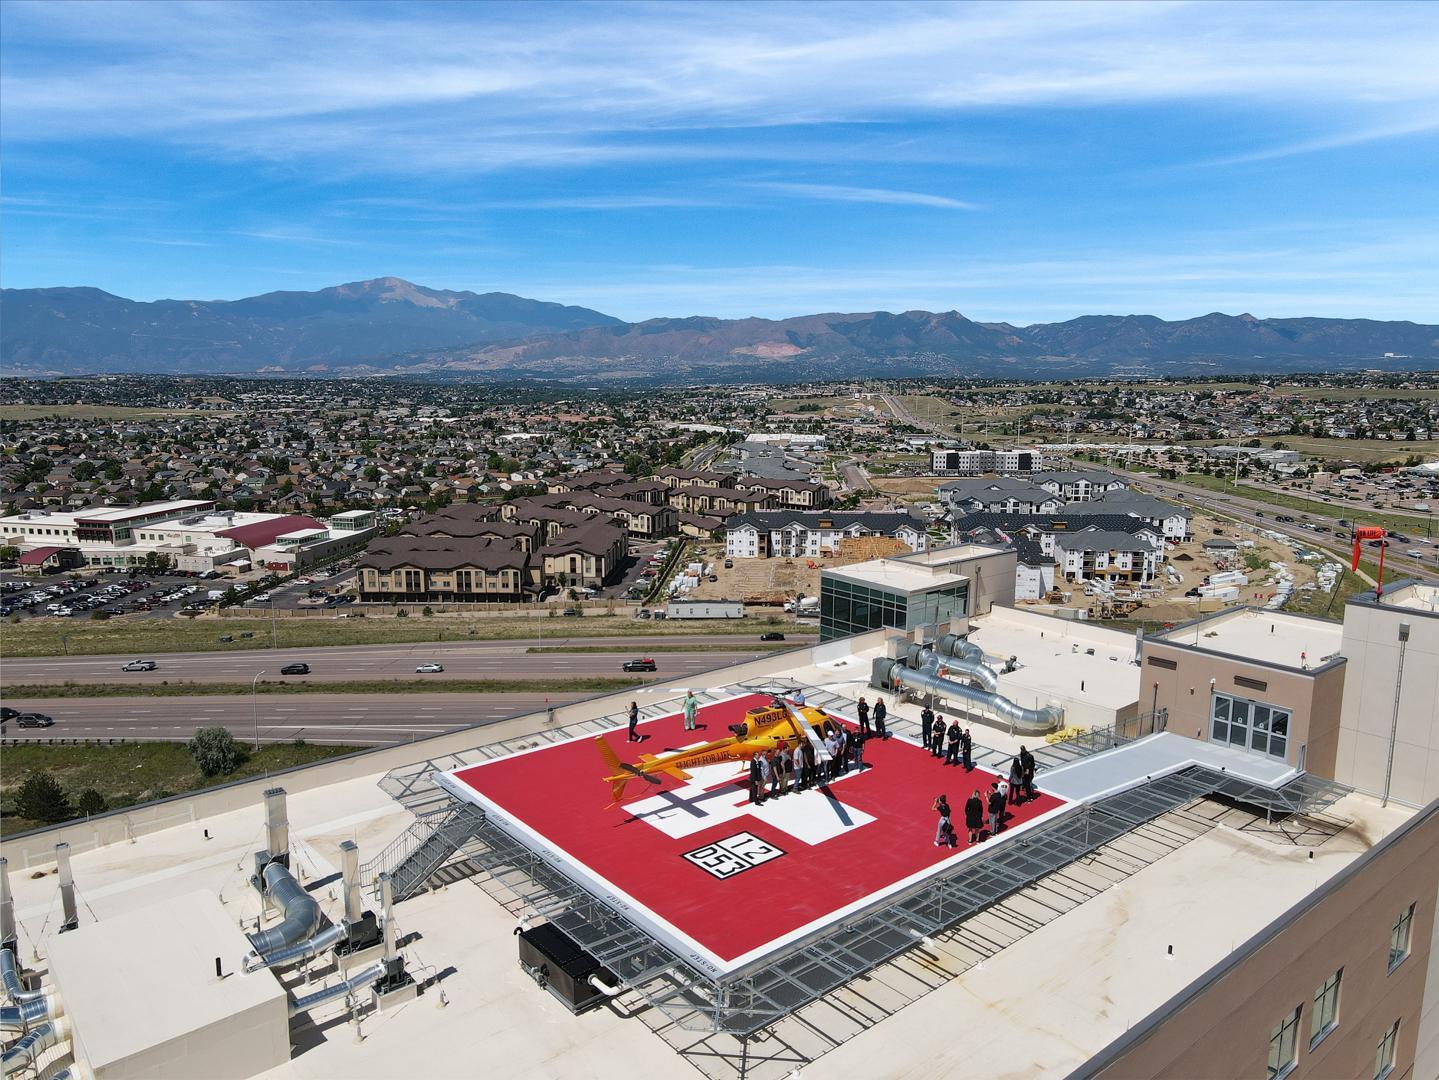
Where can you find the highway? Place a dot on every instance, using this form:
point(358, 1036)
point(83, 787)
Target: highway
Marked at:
point(461, 659)
point(331, 719)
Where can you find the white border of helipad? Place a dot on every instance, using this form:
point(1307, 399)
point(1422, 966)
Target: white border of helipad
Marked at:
point(662, 929)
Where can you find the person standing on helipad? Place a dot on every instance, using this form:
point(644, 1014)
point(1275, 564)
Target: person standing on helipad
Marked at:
point(692, 705)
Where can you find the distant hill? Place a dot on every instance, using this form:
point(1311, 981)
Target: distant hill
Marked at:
point(75, 331)
point(390, 326)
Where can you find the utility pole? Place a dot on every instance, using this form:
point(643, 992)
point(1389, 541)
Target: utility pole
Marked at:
point(255, 707)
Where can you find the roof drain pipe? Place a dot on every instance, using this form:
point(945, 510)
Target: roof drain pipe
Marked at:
point(27, 1051)
point(301, 911)
point(358, 981)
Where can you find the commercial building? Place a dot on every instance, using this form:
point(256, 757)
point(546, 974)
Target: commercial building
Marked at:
point(795, 534)
point(1170, 905)
point(907, 592)
point(190, 535)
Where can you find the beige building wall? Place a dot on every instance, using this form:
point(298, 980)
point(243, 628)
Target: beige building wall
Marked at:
point(1371, 642)
point(1183, 680)
point(1220, 1027)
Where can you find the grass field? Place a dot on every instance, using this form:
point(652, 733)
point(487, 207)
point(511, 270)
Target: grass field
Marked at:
point(97, 412)
point(52, 637)
point(136, 772)
point(1364, 451)
point(579, 684)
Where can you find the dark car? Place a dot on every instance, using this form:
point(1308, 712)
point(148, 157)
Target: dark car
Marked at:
point(7, 713)
point(34, 719)
point(645, 664)
point(573, 612)
point(295, 669)
point(773, 635)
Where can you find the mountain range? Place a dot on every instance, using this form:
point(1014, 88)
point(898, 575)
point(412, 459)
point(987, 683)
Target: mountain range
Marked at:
point(389, 326)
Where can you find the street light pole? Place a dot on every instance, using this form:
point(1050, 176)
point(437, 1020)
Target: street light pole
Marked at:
point(255, 707)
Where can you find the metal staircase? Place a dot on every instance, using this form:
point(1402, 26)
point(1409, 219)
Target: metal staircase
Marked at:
point(414, 856)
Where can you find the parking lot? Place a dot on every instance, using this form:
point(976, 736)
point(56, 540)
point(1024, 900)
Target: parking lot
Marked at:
point(153, 593)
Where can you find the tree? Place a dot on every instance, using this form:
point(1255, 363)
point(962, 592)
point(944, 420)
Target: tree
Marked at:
point(215, 751)
point(90, 802)
point(9, 553)
point(41, 798)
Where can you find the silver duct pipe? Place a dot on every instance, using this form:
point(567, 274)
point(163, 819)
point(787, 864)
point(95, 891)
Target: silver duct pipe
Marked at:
point(15, 1019)
point(69, 1072)
point(7, 905)
point(371, 974)
point(302, 912)
point(10, 978)
point(350, 875)
point(968, 666)
point(1021, 720)
point(67, 888)
point(277, 823)
point(27, 1050)
point(323, 941)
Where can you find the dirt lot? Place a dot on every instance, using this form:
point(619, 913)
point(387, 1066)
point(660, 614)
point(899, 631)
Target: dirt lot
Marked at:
point(760, 581)
point(1253, 556)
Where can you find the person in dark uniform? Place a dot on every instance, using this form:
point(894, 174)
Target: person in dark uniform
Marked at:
point(926, 726)
point(634, 735)
point(966, 750)
point(1016, 780)
point(996, 810)
point(862, 711)
point(880, 712)
point(806, 773)
point(951, 757)
point(1026, 761)
point(756, 794)
point(936, 746)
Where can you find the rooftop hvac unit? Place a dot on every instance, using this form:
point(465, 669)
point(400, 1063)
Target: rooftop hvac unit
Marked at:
point(557, 962)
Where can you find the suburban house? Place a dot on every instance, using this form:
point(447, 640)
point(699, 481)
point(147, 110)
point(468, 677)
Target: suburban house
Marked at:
point(797, 534)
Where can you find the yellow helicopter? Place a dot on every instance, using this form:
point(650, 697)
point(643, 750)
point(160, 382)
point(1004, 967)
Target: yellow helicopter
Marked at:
point(765, 727)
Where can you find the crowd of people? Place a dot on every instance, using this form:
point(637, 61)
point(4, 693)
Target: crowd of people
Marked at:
point(797, 768)
point(985, 811)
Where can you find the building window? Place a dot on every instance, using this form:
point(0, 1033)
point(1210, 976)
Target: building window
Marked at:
point(1384, 1056)
point(1326, 1009)
point(1284, 1046)
point(1250, 725)
point(1399, 938)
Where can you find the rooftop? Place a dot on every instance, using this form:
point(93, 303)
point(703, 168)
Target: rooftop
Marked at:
point(1060, 660)
point(1268, 637)
point(934, 568)
point(1022, 973)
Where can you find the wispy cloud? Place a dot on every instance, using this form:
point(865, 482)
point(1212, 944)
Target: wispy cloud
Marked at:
point(845, 193)
point(490, 86)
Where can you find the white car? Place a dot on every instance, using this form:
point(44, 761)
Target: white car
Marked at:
point(429, 669)
point(140, 665)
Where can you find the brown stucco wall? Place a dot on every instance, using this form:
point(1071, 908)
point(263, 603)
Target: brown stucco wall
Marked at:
point(1222, 1029)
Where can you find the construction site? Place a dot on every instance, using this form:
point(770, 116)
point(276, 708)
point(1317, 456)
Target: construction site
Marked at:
point(777, 581)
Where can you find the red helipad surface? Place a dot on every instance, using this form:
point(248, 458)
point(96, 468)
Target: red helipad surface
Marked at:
point(722, 879)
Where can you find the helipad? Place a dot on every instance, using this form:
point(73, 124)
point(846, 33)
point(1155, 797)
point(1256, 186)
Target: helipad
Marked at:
point(724, 883)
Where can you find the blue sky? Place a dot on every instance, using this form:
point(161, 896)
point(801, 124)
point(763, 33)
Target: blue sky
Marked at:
point(1020, 162)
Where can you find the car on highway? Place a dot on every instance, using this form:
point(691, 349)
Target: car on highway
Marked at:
point(643, 664)
point(7, 714)
point(1414, 553)
point(140, 665)
point(34, 719)
point(429, 669)
point(295, 669)
point(773, 635)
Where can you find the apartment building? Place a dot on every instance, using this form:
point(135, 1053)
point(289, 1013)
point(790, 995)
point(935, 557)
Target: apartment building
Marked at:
point(441, 569)
point(799, 534)
point(999, 497)
point(1115, 557)
point(786, 494)
point(951, 462)
point(1078, 485)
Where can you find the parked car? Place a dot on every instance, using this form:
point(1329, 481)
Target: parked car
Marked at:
point(573, 611)
point(295, 669)
point(140, 665)
point(34, 719)
point(645, 664)
point(773, 635)
point(429, 669)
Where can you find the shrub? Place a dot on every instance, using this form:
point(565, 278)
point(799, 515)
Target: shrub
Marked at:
point(428, 610)
point(90, 802)
point(215, 751)
point(41, 798)
point(402, 614)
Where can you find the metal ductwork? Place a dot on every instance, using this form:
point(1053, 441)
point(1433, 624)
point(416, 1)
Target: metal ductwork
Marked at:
point(67, 888)
point(1020, 720)
point(317, 943)
point(387, 910)
point(301, 912)
point(277, 825)
point(358, 981)
point(27, 1050)
point(10, 979)
point(969, 663)
point(15, 1019)
point(8, 936)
